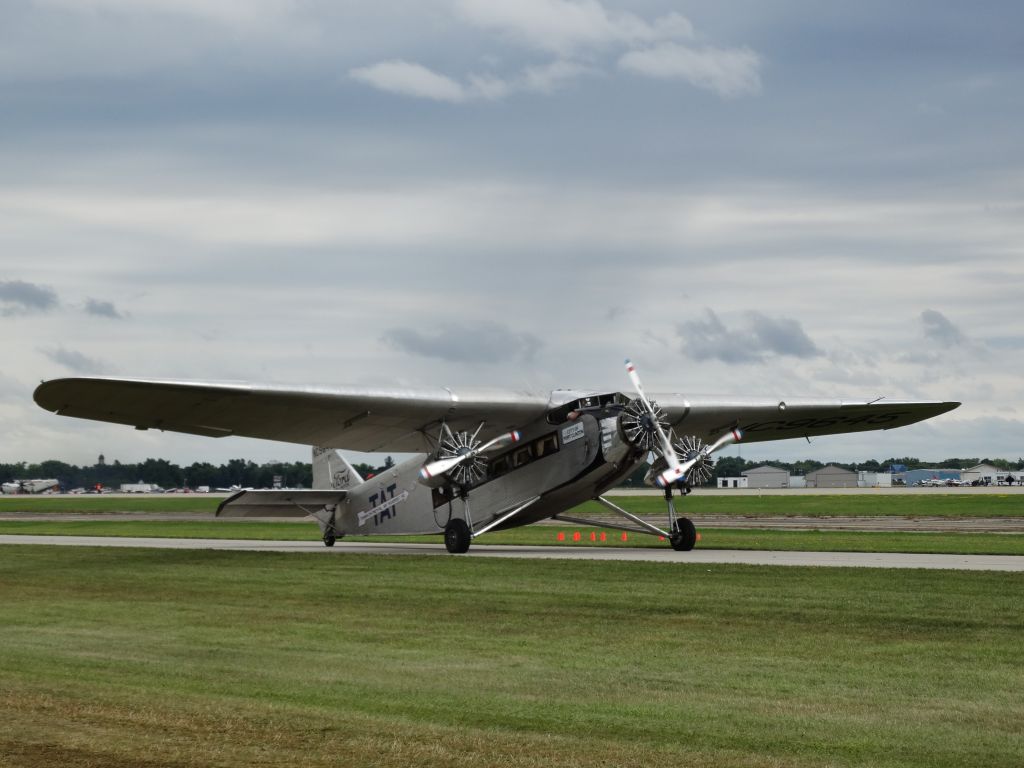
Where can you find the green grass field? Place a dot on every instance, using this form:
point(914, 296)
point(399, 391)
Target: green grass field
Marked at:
point(910, 505)
point(174, 658)
point(711, 538)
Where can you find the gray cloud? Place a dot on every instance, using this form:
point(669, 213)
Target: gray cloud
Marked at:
point(102, 309)
point(75, 361)
point(479, 343)
point(759, 338)
point(782, 336)
point(939, 329)
point(17, 297)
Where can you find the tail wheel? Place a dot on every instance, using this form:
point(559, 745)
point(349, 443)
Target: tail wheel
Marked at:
point(457, 536)
point(684, 535)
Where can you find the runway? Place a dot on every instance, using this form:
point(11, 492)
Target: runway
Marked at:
point(666, 555)
point(792, 523)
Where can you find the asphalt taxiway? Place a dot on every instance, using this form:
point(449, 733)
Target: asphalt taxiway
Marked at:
point(666, 555)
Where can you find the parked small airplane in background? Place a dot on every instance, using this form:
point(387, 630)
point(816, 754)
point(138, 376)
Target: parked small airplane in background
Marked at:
point(485, 459)
point(28, 486)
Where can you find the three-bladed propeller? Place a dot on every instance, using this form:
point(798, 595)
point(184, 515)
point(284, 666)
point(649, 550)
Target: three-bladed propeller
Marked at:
point(677, 470)
point(435, 470)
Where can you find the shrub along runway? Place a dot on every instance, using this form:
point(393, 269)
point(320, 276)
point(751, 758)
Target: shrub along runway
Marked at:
point(171, 658)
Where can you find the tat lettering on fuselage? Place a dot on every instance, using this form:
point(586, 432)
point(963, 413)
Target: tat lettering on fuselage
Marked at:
point(385, 510)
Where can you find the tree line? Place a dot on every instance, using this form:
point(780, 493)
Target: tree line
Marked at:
point(300, 474)
point(168, 475)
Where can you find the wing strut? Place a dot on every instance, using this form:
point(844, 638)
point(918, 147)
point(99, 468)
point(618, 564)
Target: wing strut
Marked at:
point(647, 527)
point(503, 518)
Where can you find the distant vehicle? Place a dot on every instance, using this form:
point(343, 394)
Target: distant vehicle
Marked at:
point(29, 486)
point(232, 489)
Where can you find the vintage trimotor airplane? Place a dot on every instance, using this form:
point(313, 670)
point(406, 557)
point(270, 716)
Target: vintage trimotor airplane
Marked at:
point(485, 459)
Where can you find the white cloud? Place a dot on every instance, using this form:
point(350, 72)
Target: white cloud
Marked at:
point(410, 79)
point(729, 72)
point(566, 27)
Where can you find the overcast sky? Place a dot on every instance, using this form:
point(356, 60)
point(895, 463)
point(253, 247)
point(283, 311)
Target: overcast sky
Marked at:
point(767, 198)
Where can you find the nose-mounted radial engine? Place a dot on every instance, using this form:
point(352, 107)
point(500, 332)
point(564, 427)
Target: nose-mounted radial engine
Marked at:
point(638, 424)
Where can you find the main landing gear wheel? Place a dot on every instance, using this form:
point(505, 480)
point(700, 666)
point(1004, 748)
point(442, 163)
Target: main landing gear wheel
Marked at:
point(457, 536)
point(329, 539)
point(684, 537)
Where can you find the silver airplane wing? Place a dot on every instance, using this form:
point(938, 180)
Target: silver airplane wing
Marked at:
point(407, 420)
point(401, 420)
point(780, 419)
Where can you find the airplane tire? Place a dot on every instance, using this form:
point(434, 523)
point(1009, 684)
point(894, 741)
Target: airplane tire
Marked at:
point(684, 537)
point(456, 536)
point(329, 539)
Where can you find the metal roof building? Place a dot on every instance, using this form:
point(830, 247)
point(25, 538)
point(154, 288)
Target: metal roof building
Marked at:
point(832, 477)
point(766, 477)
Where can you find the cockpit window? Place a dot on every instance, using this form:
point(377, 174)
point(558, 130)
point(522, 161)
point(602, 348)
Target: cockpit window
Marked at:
point(588, 403)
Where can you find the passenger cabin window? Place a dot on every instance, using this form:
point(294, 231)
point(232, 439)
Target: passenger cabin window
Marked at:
point(541, 447)
point(520, 456)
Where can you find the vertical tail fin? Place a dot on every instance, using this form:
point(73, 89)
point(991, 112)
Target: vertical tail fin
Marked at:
point(332, 472)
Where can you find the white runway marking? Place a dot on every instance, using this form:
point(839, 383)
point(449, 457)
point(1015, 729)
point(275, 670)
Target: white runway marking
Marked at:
point(666, 555)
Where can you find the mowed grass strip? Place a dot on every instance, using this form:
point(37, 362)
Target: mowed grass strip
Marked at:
point(170, 658)
point(840, 505)
point(911, 504)
point(190, 502)
point(547, 535)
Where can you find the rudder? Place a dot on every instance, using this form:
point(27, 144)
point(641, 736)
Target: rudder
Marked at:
point(332, 471)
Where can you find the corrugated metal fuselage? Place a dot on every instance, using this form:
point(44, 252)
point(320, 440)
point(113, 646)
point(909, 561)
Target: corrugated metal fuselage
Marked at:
point(553, 466)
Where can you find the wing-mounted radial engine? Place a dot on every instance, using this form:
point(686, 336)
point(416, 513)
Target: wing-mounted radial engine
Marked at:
point(459, 459)
point(459, 463)
point(694, 463)
point(691, 448)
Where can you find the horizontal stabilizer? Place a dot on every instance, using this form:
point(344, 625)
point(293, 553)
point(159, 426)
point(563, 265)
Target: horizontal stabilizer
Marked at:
point(278, 503)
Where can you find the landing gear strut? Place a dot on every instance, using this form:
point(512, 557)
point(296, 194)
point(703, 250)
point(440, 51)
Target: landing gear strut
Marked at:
point(682, 532)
